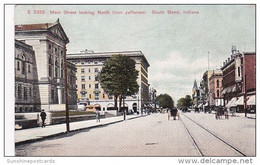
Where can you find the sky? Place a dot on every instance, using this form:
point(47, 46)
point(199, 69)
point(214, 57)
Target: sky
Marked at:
point(177, 46)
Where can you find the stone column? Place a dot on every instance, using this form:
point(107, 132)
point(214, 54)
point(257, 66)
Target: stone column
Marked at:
point(59, 95)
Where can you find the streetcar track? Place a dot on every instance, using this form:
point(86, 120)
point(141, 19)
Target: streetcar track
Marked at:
point(193, 140)
point(222, 140)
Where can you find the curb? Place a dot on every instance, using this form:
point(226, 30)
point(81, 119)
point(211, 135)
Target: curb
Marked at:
point(75, 130)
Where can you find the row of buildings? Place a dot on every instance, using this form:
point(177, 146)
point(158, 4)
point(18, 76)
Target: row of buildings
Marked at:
point(41, 63)
point(232, 86)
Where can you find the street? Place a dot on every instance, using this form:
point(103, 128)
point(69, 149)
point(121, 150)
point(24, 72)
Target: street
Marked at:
point(154, 135)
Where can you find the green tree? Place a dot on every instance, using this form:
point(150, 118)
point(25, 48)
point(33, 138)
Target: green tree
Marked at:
point(118, 78)
point(185, 102)
point(165, 101)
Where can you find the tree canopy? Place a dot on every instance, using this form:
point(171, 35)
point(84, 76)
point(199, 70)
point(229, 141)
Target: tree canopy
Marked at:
point(118, 77)
point(165, 101)
point(186, 101)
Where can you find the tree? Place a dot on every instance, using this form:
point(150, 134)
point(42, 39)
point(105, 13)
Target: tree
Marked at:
point(185, 102)
point(118, 78)
point(165, 101)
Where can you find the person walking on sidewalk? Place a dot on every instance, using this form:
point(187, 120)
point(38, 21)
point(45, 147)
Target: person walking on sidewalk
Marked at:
point(43, 117)
point(97, 115)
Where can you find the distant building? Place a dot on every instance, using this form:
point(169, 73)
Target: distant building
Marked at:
point(215, 88)
point(48, 41)
point(239, 80)
point(89, 91)
point(195, 94)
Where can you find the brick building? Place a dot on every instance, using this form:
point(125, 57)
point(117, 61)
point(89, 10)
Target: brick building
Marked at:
point(215, 88)
point(239, 81)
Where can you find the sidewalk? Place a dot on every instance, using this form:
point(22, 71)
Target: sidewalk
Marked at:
point(34, 134)
point(251, 116)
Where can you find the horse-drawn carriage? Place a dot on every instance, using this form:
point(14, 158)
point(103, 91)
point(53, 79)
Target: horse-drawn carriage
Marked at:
point(173, 113)
point(221, 111)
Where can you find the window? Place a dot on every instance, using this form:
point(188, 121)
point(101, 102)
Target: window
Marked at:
point(56, 72)
point(89, 77)
point(30, 92)
point(52, 94)
point(89, 70)
point(110, 96)
point(83, 95)
point(29, 68)
point(61, 52)
point(83, 86)
point(96, 96)
point(217, 93)
point(49, 46)
point(61, 74)
point(82, 78)
point(23, 67)
point(96, 69)
point(103, 96)
point(96, 78)
point(18, 65)
point(90, 96)
point(96, 86)
point(238, 71)
point(25, 93)
point(95, 62)
point(50, 71)
point(89, 85)
point(50, 58)
point(217, 83)
point(76, 86)
point(19, 91)
point(82, 70)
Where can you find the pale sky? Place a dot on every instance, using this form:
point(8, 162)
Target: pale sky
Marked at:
point(176, 45)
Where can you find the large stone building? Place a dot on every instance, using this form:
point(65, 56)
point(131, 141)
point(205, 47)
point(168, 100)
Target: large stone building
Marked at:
point(48, 40)
point(89, 91)
point(215, 88)
point(26, 89)
point(239, 81)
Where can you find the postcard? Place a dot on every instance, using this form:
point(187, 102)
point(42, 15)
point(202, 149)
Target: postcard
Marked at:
point(134, 80)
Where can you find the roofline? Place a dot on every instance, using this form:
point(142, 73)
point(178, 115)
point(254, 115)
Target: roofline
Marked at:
point(105, 54)
point(44, 30)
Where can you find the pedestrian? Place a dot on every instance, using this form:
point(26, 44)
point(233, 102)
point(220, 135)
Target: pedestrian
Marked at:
point(43, 117)
point(97, 115)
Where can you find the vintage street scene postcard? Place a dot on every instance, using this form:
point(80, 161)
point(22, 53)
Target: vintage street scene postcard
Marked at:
point(151, 80)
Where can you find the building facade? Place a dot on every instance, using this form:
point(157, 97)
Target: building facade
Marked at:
point(89, 91)
point(48, 41)
point(215, 88)
point(26, 90)
point(239, 80)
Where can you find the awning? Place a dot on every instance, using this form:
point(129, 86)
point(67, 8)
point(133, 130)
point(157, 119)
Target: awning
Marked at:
point(200, 105)
point(206, 104)
point(231, 103)
point(251, 100)
point(234, 89)
point(240, 101)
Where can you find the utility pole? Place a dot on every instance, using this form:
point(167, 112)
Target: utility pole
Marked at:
point(208, 60)
point(66, 90)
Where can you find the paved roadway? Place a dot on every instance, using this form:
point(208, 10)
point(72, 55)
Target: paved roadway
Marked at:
point(152, 135)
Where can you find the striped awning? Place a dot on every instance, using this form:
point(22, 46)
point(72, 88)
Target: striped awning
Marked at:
point(251, 100)
point(231, 103)
point(240, 101)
